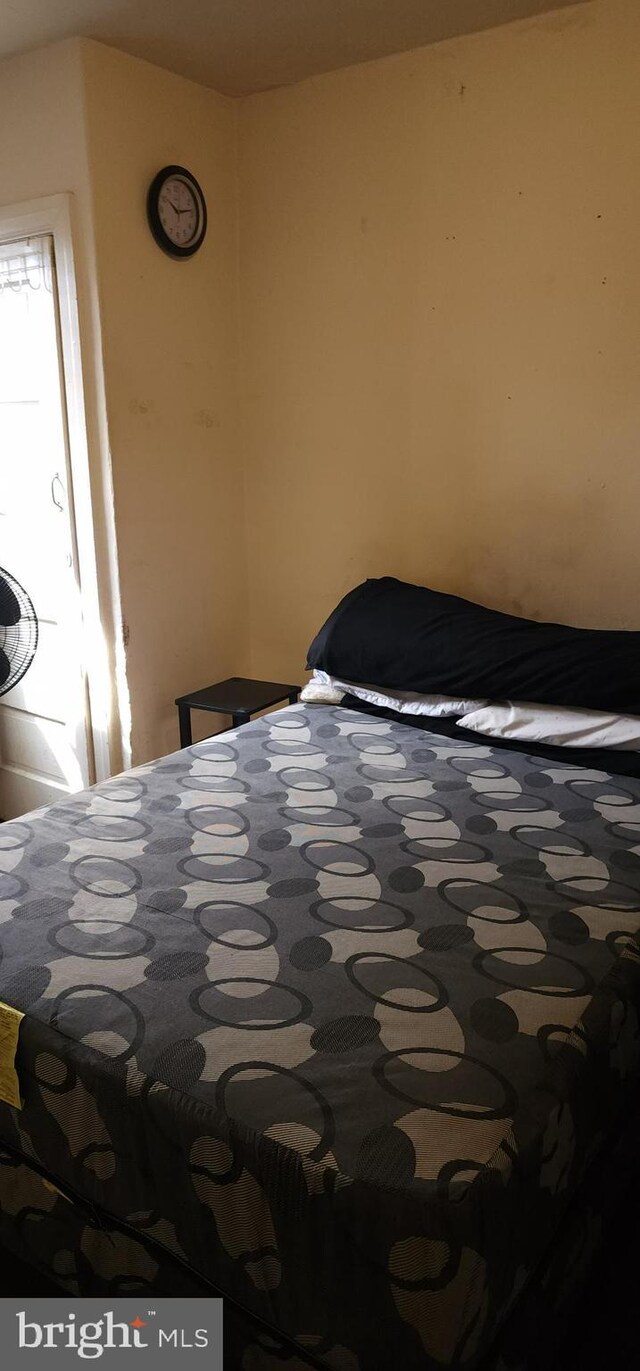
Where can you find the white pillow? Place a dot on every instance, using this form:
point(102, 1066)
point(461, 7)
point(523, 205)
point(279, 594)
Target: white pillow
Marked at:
point(326, 689)
point(556, 725)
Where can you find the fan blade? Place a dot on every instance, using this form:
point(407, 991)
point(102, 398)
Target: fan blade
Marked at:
point(5, 668)
point(9, 607)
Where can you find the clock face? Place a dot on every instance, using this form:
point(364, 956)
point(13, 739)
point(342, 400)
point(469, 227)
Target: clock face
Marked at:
point(177, 211)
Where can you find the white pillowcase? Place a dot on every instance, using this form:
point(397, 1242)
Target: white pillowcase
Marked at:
point(556, 725)
point(319, 690)
point(325, 689)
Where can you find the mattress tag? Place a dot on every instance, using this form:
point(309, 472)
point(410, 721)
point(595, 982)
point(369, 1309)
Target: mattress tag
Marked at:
point(10, 1020)
point(48, 1185)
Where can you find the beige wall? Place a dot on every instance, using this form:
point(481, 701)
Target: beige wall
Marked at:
point(169, 345)
point(441, 328)
point(434, 368)
point(42, 146)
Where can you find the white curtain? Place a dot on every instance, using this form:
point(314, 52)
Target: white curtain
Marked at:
point(26, 265)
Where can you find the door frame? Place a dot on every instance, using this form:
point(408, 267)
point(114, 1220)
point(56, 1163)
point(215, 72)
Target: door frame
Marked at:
point(52, 215)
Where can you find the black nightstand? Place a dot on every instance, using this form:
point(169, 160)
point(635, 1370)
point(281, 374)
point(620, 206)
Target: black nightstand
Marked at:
point(238, 697)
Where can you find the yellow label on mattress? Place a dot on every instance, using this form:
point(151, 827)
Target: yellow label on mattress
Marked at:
point(10, 1020)
point(48, 1185)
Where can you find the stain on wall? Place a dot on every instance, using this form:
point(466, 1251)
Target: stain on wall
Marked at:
point(440, 315)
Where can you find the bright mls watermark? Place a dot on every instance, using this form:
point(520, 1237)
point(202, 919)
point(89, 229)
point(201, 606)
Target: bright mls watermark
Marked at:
point(94, 1330)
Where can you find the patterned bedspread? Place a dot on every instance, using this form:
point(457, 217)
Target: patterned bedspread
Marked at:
point(337, 1012)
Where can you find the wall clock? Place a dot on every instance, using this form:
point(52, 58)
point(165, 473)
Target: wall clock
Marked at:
point(177, 212)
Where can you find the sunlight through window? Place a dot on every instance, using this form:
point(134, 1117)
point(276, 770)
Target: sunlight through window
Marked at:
point(43, 720)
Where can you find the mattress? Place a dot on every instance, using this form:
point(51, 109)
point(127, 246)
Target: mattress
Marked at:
point(336, 1014)
point(87, 1253)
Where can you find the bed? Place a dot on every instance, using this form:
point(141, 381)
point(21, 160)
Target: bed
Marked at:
point(336, 1015)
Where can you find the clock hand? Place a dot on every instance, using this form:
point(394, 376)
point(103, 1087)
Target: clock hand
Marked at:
point(175, 208)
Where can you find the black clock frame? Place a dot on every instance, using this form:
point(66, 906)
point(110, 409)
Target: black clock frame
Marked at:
point(161, 237)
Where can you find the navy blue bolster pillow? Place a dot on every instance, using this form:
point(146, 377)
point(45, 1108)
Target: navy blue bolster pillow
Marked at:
point(389, 633)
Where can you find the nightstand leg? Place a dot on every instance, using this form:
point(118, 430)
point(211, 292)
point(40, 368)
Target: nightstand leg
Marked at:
point(240, 717)
point(184, 722)
point(293, 697)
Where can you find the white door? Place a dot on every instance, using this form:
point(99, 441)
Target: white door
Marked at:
point(44, 722)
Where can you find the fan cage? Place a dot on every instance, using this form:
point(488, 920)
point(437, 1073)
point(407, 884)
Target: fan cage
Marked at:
point(18, 641)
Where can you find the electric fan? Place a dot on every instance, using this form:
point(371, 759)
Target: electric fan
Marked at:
point(18, 632)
